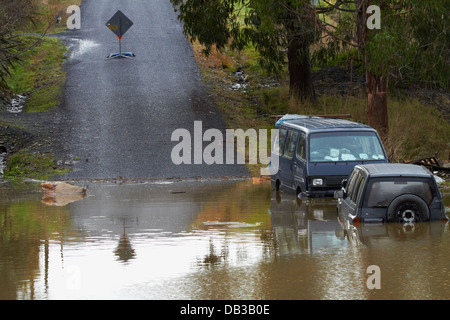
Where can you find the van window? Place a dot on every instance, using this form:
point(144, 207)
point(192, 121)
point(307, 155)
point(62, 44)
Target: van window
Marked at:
point(358, 188)
point(352, 181)
point(301, 147)
point(345, 146)
point(279, 142)
point(381, 193)
point(290, 144)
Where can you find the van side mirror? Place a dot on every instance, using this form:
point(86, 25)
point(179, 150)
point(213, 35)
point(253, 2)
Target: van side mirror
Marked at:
point(339, 194)
point(344, 183)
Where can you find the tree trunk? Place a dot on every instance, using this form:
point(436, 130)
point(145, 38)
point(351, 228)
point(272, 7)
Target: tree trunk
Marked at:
point(376, 86)
point(377, 113)
point(300, 74)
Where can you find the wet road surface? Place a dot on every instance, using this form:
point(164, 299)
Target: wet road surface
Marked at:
point(118, 115)
point(208, 240)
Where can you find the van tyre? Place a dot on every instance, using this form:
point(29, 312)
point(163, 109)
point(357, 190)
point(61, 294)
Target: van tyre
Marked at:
point(408, 208)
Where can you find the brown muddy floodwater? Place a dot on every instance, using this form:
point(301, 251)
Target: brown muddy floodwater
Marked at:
point(208, 240)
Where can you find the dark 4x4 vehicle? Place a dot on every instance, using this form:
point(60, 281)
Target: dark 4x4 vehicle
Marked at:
point(390, 193)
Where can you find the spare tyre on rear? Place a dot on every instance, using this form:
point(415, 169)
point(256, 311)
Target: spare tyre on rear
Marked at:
point(408, 208)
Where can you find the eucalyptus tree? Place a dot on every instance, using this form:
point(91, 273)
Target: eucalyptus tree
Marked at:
point(274, 28)
point(408, 45)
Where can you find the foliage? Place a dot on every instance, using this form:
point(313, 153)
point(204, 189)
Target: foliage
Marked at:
point(40, 74)
point(24, 164)
point(408, 110)
point(269, 25)
point(13, 14)
point(412, 46)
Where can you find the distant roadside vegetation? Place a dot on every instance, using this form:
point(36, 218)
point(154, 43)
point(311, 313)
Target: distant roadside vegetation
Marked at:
point(394, 77)
point(31, 65)
point(418, 117)
point(31, 60)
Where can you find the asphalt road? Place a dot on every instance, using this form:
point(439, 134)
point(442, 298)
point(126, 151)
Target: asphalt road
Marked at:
point(119, 114)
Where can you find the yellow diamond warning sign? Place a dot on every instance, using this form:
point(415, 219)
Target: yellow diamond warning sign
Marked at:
point(119, 23)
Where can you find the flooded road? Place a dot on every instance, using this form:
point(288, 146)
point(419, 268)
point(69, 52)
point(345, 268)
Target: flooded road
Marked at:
point(207, 240)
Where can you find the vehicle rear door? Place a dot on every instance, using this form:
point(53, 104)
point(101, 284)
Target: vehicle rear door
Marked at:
point(300, 172)
point(287, 162)
point(349, 206)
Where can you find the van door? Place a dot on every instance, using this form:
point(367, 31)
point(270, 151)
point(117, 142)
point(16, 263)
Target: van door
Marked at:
point(348, 208)
point(354, 190)
point(287, 162)
point(300, 172)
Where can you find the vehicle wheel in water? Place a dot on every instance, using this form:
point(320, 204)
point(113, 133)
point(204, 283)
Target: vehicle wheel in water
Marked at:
point(408, 208)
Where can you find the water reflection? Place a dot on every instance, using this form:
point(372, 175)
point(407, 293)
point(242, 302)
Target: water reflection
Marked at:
point(305, 226)
point(309, 225)
point(369, 234)
point(124, 250)
point(207, 240)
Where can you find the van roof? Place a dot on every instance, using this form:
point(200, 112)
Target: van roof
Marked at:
point(395, 169)
point(318, 124)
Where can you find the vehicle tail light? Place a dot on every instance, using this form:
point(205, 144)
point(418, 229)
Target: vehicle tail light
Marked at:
point(356, 220)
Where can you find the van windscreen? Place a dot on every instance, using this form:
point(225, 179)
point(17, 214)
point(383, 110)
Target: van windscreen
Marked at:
point(345, 146)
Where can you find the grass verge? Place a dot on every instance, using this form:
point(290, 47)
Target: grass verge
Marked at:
point(40, 75)
point(26, 164)
point(48, 12)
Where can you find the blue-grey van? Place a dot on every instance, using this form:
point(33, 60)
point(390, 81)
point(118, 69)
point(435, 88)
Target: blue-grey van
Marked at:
point(316, 153)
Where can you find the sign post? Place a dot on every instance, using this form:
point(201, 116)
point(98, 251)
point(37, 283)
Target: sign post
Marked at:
point(119, 24)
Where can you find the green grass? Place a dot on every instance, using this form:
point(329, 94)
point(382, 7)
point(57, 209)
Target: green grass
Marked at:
point(40, 74)
point(45, 19)
point(24, 164)
point(416, 130)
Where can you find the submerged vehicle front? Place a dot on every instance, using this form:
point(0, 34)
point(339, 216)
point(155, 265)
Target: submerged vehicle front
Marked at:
point(333, 155)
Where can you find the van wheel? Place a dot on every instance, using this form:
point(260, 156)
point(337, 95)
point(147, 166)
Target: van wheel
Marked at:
point(298, 191)
point(408, 208)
